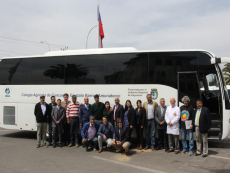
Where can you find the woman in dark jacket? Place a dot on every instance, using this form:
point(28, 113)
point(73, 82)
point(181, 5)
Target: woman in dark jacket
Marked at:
point(140, 123)
point(108, 112)
point(129, 117)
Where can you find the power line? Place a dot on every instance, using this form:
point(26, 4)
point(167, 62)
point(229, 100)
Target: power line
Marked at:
point(10, 38)
point(26, 43)
point(5, 54)
point(13, 52)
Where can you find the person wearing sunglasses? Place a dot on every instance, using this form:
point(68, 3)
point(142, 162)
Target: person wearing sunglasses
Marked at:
point(122, 141)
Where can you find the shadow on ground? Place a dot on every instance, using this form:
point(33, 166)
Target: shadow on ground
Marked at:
point(22, 134)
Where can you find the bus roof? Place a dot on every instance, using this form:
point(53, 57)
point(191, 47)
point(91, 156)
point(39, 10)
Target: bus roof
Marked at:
point(106, 51)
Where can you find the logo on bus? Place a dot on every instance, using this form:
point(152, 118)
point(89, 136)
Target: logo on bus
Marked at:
point(7, 91)
point(154, 93)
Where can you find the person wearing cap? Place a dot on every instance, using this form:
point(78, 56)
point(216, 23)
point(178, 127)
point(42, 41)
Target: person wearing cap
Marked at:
point(66, 127)
point(41, 112)
point(72, 114)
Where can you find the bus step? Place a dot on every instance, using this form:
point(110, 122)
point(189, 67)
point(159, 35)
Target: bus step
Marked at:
point(214, 137)
point(214, 129)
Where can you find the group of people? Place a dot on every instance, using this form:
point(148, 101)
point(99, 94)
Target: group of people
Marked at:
point(100, 123)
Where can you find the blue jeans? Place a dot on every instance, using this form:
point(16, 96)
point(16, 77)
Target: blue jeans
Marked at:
point(50, 132)
point(93, 142)
point(150, 130)
point(184, 133)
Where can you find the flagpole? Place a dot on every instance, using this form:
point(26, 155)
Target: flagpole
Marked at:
point(98, 35)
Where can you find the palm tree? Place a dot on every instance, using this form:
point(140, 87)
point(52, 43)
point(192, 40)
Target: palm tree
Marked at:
point(226, 71)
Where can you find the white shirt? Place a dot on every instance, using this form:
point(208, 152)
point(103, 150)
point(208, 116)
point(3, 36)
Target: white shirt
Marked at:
point(150, 111)
point(43, 106)
point(172, 115)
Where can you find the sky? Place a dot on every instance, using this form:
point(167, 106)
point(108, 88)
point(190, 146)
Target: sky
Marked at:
point(143, 24)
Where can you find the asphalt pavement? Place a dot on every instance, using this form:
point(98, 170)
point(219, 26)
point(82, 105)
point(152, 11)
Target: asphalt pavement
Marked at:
point(18, 154)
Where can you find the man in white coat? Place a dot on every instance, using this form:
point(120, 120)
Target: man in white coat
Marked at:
point(172, 117)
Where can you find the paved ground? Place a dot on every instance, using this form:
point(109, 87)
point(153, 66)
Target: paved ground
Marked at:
point(18, 154)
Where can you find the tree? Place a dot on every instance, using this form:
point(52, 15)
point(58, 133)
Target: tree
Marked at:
point(226, 71)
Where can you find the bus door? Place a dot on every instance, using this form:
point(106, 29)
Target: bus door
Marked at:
point(188, 85)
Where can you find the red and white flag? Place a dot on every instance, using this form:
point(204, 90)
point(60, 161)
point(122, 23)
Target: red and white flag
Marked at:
point(100, 30)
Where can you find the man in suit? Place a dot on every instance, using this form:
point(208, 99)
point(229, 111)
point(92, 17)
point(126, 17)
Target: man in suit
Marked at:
point(51, 105)
point(85, 112)
point(161, 125)
point(118, 111)
point(187, 114)
point(202, 125)
point(41, 112)
point(122, 140)
point(89, 133)
point(150, 107)
point(58, 115)
point(66, 126)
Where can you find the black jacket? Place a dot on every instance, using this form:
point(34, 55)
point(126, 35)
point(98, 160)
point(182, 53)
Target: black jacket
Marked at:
point(190, 110)
point(49, 119)
point(142, 116)
point(39, 115)
point(124, 134)
point(131, 116)
point(119, 112)
point(205, 120)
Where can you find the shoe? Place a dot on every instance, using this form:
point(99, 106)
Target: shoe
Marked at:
point(176, 152)
point(170, 150)
point(100, 150)
point(196, 154)
point(49, 144)
point(166, 150)
point(158, 148)
point(94, 149)
point(83, 146)
point(86, 149)
point(60, 145)
point(70, 145)
point(140, 148)
point(152, 148)
point(108, 149)
point(146, 148)
point(63, 143)
point(190, 153)
point(38, 146)
point(127, 153)
point(183, 152)
point(76, 145)
point(118, 151)
point(54, 146)
point(204, 155)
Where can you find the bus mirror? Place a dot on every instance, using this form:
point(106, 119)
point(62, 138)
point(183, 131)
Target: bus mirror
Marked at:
point(220, 60)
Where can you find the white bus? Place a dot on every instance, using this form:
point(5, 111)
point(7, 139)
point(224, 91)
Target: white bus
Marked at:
point(114, 72)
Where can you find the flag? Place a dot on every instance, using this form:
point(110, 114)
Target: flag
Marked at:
point(100, 30)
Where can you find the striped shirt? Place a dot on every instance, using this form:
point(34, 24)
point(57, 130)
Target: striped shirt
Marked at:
point(73, 109)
